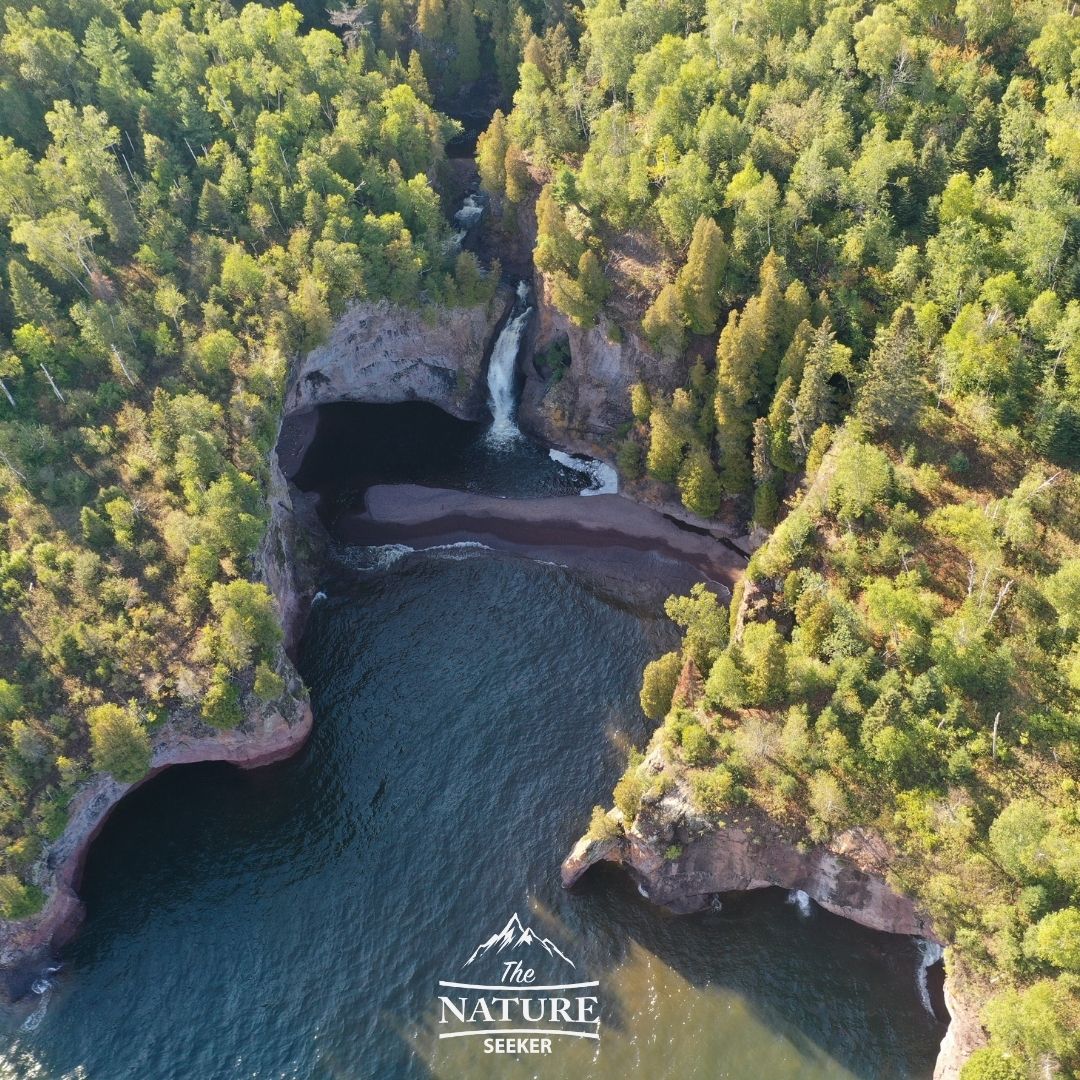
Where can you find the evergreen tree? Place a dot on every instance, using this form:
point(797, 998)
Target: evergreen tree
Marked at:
point(816, 403)
point(666, 444)
point(892, 389)
point(466, 46)
point(699, 486)
point(32, 301)
point(491, 147)
point(698, 282)
point(664, 323)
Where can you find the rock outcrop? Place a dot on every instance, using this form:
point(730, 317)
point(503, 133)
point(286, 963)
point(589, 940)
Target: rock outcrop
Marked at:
point(268, 734)
point(682, 862)
point(591, 400)
point(290, 550)
point(966, 1033)
point(846, 877)
point(382, 353)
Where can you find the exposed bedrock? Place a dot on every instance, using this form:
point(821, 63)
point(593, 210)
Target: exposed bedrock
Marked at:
point(268, 734)
point(586, 406)
point(846, 876)
point(382, 353)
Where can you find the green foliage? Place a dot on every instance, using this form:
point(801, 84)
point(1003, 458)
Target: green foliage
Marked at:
point(658, 685)
point(704, 621)
point(119, 742)
point(990, 1064)
point(602, 826)
point(628, 793)
point(714, 791)
point(699, 281)
point(1056, 940)
point(188, 204)
point(247, 622)
point(269, 685)
point(862, 480)
point(18, 900)
point(221, 704)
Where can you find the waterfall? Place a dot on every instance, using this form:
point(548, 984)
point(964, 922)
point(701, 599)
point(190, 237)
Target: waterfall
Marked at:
point(502, 372)
point(802, 901)
point(929, 954)
point(472, 210)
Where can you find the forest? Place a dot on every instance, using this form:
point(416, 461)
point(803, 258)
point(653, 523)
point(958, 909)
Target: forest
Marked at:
point(189, 195)
point(852, 231)
point(848, 232)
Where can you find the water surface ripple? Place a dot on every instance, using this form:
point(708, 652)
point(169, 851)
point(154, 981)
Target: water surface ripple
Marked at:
point(294, 921)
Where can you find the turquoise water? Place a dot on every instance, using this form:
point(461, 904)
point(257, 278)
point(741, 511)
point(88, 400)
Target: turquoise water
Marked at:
point(295, 921)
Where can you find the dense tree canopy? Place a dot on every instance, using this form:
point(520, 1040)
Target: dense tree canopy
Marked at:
point(188, 196)
point(855, 229)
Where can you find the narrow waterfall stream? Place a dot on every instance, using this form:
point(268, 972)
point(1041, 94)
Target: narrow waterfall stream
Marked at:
point(502, 373)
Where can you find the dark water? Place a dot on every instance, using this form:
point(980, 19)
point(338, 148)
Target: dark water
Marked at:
point(294, 921)
point(358, 445)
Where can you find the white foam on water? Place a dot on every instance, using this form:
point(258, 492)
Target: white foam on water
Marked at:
point(802, 901)
point(378, 558)
point(604, 479)
point(460, 550)
point(930, 952)
point(318, 597)
point(472, 210)
point(33, 1021)
point(501, 377)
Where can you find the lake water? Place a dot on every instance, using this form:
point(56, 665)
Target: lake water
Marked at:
point(295, 921)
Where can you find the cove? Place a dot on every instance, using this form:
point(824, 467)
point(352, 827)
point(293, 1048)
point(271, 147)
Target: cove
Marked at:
point(295, 921)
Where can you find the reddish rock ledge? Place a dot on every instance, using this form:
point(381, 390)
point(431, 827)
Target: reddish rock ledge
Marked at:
point(26, 945)
point(846, 877)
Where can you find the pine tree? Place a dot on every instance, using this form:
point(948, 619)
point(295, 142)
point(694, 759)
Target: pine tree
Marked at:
point(466, 61)
point(213, 207)
point(698, 282)
point(664, 323)
point(491, 149)
point(593, 285)
point(791, 366)
point(666, 445)
point(816, 403)
point(699, 485)
point(32, 301)
point(556, 246)
point(737, 357)
point(516, 171)
point(892, 387)
point(417, 79)
point(781, 451)
point(431, 20)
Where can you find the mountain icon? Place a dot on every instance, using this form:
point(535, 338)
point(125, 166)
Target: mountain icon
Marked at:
point(512, 936)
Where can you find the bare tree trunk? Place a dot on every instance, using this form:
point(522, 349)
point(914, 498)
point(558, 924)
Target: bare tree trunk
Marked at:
point(56, 389)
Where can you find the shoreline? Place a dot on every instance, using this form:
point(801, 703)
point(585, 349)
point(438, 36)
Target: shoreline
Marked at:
point(26, 945)
point(583, 531)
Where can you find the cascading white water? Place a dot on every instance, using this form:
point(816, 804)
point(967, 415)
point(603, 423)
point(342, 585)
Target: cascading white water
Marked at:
point(930, 952)
point(801, 900)
point(603, 479)
point(501, 376)
point(472, 210)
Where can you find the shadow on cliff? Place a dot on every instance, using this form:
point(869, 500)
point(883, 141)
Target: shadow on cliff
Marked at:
point(863, 981)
